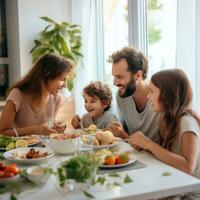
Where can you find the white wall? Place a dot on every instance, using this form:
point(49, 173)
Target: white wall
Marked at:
point(23, 27)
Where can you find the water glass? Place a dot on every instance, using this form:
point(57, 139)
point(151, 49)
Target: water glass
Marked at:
point(86, 143)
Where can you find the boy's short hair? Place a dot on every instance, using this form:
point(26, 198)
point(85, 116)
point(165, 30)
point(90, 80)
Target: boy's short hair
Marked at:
point(100, 90)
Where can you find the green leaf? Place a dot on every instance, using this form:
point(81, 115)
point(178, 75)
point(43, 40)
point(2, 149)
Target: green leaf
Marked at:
point(46, 28)
point(74, 26)
point(116, 184)
point(63, 39)
point(38, 52)
point(87, 194)
point(114, 175)
point(128, 179)
point(61, 177)
point(70, 84)
point(166, 174)
point(49, 34)
point(13, 197)
point(47, 19)
point(101, 180)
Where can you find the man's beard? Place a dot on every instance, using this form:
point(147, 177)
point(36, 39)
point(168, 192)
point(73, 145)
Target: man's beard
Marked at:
point(129, 90)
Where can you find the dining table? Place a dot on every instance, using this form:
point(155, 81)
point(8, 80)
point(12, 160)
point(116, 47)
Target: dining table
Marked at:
point(150, 179)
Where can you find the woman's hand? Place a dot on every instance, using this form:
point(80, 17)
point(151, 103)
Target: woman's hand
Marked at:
point(138, 139)
point(76, 122)
point(43, 130)
point(59, 127)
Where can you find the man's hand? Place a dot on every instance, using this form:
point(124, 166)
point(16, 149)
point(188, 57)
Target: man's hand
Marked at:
point(118, 130)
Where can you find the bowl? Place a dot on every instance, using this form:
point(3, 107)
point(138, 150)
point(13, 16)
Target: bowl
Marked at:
point(64, 146)
point(38, 174)
point(5, 181)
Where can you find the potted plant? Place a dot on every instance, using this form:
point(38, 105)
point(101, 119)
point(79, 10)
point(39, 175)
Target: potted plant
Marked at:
point(63, 39)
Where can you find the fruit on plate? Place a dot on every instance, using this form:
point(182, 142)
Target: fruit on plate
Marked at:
point(10, 146)
point(118, 159)
point(110, 160)
point(7, 171)
point(92, 127)
point(122, 158)
point(21, 143)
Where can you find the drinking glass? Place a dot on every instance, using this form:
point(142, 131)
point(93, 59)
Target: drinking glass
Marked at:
point(86, 143)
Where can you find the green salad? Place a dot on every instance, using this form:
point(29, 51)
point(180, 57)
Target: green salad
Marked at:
point(81, 168)
point(6, 141)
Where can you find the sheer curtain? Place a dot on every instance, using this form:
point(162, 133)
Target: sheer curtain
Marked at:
point(188, 44)
point(85, 13)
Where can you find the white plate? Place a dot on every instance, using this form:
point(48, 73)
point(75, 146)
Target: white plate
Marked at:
point(29, 144)
point(106, 146)
point(11, 155)
point(36, 140)
point(82, 131)
point(132, 160)
point(4, 181)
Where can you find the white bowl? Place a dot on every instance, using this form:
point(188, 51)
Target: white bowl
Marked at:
point(65, 146)
point(38, 174)
point(4, 181)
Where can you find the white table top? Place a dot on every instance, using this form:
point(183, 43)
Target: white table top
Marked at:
point(148, 183)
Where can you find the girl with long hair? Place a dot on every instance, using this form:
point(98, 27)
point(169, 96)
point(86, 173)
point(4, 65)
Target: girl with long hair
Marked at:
point(179, 127)
point(32, 103)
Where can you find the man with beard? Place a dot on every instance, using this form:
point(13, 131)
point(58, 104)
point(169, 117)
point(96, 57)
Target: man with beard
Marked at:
point(129, 70)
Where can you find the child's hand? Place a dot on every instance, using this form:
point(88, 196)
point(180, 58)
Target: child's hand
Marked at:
point(76, 122)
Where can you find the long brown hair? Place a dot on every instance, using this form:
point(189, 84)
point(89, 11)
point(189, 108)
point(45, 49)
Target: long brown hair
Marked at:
point(49, 67)
point(175, 99)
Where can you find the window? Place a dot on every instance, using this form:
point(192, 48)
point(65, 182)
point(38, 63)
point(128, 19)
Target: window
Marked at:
point(161, 31)
point(115, 28)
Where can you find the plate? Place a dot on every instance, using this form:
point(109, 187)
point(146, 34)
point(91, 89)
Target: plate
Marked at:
point(5, 181)
point(132, 160)
point(15, 155)
point(106, 146)
point(32, 140)
point(82, 131)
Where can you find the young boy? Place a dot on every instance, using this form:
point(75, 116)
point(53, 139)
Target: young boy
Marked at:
point(98, 97)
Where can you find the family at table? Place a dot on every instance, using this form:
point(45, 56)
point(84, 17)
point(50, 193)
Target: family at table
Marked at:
point(154, 116)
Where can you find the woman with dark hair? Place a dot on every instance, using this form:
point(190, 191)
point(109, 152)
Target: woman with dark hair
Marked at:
point(33, 102)
point(179, 127)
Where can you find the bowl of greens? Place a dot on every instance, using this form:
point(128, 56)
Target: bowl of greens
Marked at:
point(78, 171)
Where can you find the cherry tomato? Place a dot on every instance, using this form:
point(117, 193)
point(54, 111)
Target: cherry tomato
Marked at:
point(12, 168)
point(7, 174)
point(110, 160)
point(122, 158)
point(1, 173)
point(2, 166)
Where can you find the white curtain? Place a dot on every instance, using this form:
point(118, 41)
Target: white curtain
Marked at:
point(83, 14)
point(188, 44)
